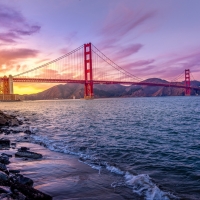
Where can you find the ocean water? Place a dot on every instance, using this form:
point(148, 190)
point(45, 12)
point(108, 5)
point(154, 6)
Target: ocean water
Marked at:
point(152, 143)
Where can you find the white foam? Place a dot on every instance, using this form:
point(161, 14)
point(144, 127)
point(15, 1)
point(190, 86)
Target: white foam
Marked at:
point(114, 169)
point(143, 186)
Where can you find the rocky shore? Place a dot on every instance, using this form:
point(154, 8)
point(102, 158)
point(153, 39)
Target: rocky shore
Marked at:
point(32, 171)
point(14, 185)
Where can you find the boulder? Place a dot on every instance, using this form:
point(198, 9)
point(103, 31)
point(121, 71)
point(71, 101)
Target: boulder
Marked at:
point(23, 149)
point(3, 167)
point(20, 179)
point(14, 171)
point(28, 132)
point(8, 120)
point(3, 176)
point(28, 154)
point(14, 122)
point(4, 159)
point(30, 193)
point(5, 154)
point(4, 142)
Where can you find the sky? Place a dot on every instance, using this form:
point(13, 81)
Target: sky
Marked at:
point(147, 38)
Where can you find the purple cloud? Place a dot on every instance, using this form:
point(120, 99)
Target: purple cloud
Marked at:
point(120, 22)
point(18, 53)
point(126, 23)
point(14, 25)
point(8, 37)
point(28, 30)
point(129, 50)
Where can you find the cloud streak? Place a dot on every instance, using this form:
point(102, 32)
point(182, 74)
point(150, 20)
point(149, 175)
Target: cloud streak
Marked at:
point(14, 25)
point(10, 57)
point(121, 22)
point(128, 50)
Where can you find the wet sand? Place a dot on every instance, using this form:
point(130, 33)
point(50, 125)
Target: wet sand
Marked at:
point(63, 177)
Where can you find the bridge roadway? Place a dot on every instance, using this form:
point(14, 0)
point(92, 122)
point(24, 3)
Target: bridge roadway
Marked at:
point(42, 80)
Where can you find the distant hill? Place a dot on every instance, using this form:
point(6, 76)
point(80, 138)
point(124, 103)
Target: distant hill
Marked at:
point(70, 90)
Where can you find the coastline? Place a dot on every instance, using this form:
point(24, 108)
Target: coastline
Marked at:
point(63, 176)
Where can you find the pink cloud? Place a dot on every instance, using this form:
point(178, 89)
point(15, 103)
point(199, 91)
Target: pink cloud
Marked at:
point(14, 25)
point(120, 22)
point(123, 21)
point(9, 58)
point(129, 50)
point(136, 64)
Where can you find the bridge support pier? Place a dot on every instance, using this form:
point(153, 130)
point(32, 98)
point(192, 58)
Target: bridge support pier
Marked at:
point(187, 82)
point(6, 85)
point(88, 94)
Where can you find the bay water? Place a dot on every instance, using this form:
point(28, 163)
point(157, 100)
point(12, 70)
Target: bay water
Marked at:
point(153, 144)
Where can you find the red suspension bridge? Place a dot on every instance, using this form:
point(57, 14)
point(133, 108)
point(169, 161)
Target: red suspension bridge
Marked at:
point(89, 66)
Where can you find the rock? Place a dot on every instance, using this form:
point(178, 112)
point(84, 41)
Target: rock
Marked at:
point(4, 159)
point(4, 189)
point(3, 121)
point(5, 154)
point(14, 122)
point(82, 148)
point(4, 142)
point(4, 196)
point(23, 149)
point(3, 176)
point(30, 193)
point(28, 154)
point(28, 132)
point(18, 195)
point(10, 120)
point(14, 171)
point(3, 167)
point(20, 179)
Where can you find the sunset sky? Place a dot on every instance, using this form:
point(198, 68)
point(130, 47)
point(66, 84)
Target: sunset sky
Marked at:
point(147, 38)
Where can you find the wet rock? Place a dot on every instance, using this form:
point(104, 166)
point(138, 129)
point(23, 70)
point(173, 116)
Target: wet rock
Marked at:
point(23, 149)
point(18, 195)
point(4, 159)
point(4, 196)
point(13, 144)
point(3, 121)
point(20, 179)
point(28, 154)
point(30, 193)
point(82, 148)
point(10, 120)
point(5, 154)
point(3, 167)
point(4, 189)
point(3, 176)
point(28, 132)
point(14, 171)
point(16, 131)
point(4, 142)
point(14, 122)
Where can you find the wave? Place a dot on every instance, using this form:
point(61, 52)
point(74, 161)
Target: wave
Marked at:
point(141, 184)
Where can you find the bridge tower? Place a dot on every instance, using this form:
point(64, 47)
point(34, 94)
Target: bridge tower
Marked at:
point(187, 82)
point(6, 85)
point(88, 72)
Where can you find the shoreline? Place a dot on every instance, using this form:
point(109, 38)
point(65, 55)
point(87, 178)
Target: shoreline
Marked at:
point(63, 176)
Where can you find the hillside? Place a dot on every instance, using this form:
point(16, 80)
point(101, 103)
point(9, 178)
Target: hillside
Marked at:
point(70, 90)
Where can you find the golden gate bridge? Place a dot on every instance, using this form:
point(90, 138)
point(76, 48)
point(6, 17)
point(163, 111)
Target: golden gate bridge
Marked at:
point(87, 65)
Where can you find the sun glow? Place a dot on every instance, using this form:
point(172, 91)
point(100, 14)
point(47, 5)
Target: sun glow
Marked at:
point(26, 90)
